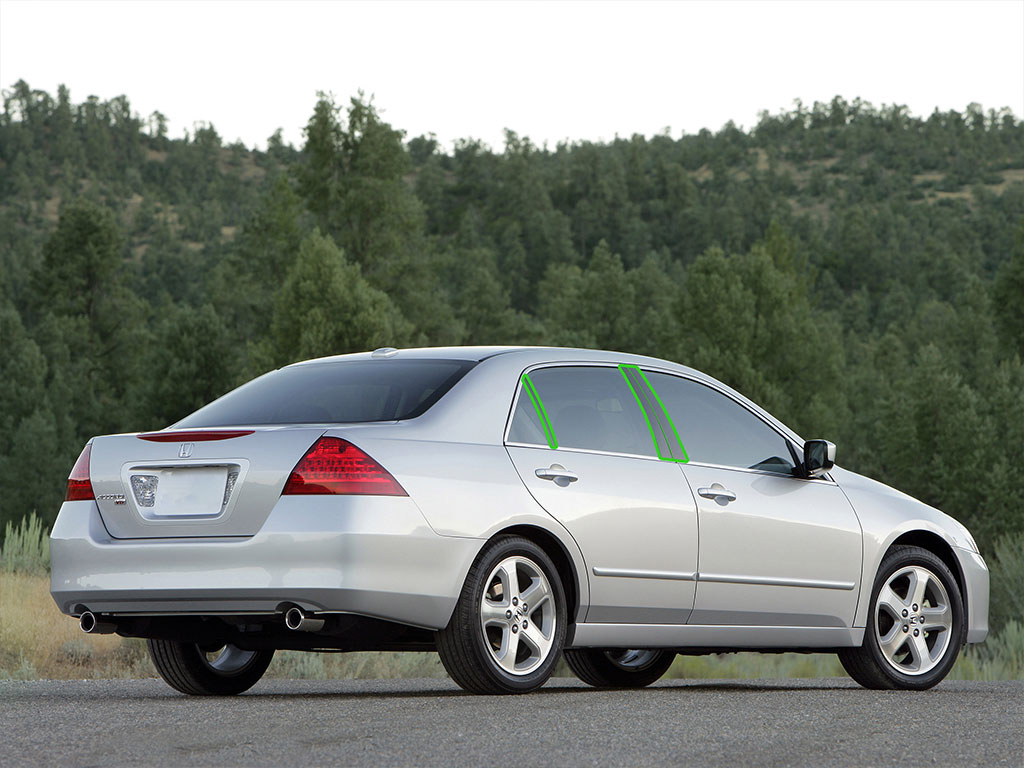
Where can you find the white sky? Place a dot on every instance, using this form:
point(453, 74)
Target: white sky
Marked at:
point(547, 70)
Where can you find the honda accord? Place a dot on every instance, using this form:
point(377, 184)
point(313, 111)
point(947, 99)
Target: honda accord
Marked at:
point(504, 507)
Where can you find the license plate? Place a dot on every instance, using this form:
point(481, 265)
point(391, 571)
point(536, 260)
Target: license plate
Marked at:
point(180, 491)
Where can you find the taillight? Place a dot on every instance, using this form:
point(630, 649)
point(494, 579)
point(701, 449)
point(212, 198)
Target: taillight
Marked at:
point(79, 484)
point(334, 465)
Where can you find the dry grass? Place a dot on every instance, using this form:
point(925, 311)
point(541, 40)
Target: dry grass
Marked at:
point(38, 641)
point(1009, 176)
point(131, 210)
point(296, 665)
point(51, 209)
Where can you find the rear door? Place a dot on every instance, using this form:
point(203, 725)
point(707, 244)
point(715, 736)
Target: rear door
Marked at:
point(584, 449)
point(775, 549)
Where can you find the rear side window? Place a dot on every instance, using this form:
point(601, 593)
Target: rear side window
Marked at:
point(718, 430)
point(334, 392)
point(580, 407)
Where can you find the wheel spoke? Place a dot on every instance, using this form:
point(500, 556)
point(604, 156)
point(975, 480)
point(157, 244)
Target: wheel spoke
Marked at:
point(506, 657)
point(537, 594)
point(918, 584)
point(940, 617)
point(919, 650)
point(513, 578)
point(505, 575)
point(892, 602)
point(493, 613)
point(892, 642)
point(534, 638)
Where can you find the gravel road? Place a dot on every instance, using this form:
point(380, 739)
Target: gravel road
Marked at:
point(430, 722)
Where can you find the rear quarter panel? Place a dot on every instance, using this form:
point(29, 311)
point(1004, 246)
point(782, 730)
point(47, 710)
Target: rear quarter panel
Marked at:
point(472, 490)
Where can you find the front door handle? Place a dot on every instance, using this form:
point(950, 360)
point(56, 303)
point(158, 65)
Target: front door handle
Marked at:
point(717, 492)
point(558, 474)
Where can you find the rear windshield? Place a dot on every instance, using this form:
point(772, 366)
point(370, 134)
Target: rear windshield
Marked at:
point(353, 391)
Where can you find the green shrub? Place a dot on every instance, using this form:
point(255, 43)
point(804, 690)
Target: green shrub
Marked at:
point(1008, 648)
point(26, 548)
point(24, 671)
point(1006, 570)
point(1000, 657)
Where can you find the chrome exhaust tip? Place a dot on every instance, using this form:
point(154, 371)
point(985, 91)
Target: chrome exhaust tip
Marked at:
point(91, 624)
point(300, 621)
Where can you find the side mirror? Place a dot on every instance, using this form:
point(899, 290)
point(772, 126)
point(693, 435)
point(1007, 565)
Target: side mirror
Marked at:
point(819, 457)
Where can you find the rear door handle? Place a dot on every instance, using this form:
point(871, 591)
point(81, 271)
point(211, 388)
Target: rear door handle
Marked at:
point(717, 492)
point(557, 474)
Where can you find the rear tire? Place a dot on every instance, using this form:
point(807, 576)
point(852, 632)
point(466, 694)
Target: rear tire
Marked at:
point(188, 668)
point(509, 623)
point(618, 668)
point(915, 625)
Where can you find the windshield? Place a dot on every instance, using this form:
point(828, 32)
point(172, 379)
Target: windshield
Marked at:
point(334, 392)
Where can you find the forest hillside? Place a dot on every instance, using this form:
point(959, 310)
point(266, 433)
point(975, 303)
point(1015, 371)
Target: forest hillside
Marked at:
point(856, 269)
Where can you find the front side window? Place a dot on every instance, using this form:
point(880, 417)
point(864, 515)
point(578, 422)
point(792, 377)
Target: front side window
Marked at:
point(717, 430)
point(586, 407)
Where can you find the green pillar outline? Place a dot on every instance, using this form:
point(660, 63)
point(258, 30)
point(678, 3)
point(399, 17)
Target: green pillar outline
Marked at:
point(639, 402)
point(668, 418)
point(664, 410)
point(542, 414)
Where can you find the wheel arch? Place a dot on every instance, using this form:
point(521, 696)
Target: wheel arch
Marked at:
point(560, 556)
point(912, 532)
point(939, 547)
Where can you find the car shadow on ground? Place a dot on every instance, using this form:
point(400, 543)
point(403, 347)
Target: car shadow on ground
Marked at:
point(275, 690)
point(675, 686)
point(663, 688)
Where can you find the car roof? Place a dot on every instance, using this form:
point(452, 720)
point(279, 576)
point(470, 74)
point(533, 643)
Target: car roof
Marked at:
point(529, 355)
point(418, 353)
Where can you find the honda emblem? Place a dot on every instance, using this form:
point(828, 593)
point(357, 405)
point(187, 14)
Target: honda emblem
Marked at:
point(185, 450)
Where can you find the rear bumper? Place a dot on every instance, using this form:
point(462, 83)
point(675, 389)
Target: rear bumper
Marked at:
point(369, 555)
point(976, 583)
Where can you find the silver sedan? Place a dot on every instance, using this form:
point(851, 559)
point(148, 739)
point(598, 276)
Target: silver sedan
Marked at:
point(501, 506)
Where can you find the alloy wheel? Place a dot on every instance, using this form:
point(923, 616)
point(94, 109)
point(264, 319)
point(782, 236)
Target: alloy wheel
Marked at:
point(227, 660)
point(913, 620)
point(633, 660)
point(518, 616)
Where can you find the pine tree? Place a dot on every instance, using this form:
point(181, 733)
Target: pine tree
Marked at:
point(326, 307)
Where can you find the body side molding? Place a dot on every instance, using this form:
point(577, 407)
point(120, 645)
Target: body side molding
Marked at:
point(724, 578)
point(629, 573)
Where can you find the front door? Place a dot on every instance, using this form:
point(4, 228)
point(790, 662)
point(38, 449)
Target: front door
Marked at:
point(775, 549)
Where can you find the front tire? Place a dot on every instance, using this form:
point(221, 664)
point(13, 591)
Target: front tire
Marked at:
point(915, 624)
point(618, 668)
point(226, 671)
point(509, 624)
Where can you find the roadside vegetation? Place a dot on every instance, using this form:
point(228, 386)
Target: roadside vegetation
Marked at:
point(37, 641)
point(857, 270)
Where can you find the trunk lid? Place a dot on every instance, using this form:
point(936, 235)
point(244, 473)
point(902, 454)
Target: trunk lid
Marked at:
point(195, 483)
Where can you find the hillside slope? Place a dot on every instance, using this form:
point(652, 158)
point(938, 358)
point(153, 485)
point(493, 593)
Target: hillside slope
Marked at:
point(857, 270)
